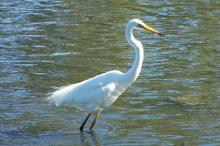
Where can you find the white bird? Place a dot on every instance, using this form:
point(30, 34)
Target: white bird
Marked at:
point(99, 92)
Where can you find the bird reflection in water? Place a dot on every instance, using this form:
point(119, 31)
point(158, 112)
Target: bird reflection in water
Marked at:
point(90, 138)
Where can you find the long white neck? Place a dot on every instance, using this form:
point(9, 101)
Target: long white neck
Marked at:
point(135, 70)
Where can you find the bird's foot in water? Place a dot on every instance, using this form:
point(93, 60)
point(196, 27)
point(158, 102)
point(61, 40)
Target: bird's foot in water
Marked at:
point(90, 131)
point(81, 129)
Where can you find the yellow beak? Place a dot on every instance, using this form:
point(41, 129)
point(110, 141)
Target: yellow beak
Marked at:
point(146, 27)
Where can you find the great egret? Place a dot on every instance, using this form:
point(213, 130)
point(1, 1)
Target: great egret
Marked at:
point(99, 92)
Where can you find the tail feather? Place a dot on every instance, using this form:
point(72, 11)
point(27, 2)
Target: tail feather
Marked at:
point(55, 99)
point(60, 96)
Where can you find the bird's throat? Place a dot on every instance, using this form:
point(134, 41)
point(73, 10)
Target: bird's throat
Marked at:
point(135, 70)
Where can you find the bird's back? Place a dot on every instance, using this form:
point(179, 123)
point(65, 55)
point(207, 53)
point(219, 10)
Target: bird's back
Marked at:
point(93, 94)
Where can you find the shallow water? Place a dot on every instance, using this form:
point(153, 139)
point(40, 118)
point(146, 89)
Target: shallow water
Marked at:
point(45, 45)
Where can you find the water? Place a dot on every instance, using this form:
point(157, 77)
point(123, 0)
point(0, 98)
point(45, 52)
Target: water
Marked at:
point(48, 44)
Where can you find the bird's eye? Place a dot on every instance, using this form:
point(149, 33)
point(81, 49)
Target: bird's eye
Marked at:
point(139, 26)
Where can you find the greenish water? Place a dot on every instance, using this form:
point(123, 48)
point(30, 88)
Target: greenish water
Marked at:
point(48, 44)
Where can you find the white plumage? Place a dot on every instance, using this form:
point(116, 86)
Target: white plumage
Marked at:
point(103, 90)
point(99, 92)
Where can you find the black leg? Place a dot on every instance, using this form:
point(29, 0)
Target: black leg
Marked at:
point(83, 124)
point(94, 121)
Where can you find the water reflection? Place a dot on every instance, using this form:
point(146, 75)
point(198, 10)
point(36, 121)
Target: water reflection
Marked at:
point(89, 138)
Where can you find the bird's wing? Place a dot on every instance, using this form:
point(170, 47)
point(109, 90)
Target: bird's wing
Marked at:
point(97, 97)
point(95, 92)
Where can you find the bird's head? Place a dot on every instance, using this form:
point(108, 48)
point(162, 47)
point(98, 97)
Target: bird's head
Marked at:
point(137, 23)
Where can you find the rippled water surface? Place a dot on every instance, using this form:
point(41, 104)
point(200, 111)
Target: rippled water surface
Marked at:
point(48, 44)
